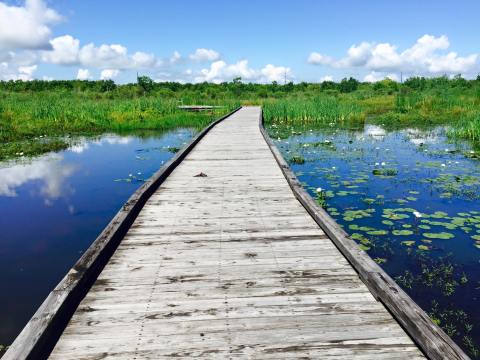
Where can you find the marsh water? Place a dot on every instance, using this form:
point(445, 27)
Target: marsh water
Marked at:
point(52, 208)
point(411, 199)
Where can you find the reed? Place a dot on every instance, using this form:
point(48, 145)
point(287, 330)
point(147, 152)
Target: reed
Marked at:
point(319, 110)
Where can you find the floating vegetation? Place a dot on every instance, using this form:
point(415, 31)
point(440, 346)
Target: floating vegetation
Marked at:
point(417, 196)
point(173, 149)
point(402, 232)
point(297, 159)
point(385, 172)
point(440, 235)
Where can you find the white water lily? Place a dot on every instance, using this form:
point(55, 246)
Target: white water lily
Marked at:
point(384, 163)
point(417, 214)
point(377, 164)
point(443, 165)
point(319, 189)
point(334, 167)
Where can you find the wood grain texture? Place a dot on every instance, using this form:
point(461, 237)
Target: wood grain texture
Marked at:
point(230, 266)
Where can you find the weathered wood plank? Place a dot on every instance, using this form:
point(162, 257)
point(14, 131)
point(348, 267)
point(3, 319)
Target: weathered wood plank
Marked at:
point(230, 266)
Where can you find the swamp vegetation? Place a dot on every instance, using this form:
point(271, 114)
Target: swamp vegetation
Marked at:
point(397, 165)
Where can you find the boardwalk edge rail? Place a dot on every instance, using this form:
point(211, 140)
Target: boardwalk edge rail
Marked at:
point(428, 336)
point(43, 330)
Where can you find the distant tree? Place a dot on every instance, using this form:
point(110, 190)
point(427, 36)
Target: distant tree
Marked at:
point(288, 87)
point(107, 85)
point(145, 84)
point(349, 85)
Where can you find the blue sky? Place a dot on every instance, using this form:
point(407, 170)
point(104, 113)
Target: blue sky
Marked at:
point(260, 41)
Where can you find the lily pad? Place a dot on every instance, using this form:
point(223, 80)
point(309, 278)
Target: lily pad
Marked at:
point(377, 232)
point(441, 235)
point(402, 232)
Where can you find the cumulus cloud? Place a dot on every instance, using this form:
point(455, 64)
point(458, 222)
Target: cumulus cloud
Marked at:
point(375, 76)
point(326, 78)
point(318, 59)
point(66, 50)
point(83, 74)
point(427, 56)
point(108, 74)
point(17, 66)
point(28, 26)
point(204, 55)
point(220, 71)
point(175, 58)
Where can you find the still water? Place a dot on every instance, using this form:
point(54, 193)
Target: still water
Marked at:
point(52, 207)
point(411, 199)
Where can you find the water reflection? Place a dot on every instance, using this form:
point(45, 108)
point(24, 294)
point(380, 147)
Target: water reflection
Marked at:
point(50, 171)
point(52, 207)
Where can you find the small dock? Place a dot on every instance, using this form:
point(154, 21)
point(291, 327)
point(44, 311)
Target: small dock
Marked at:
point(224, 261)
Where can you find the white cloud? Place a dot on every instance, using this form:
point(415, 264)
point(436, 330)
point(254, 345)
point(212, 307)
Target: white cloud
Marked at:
point(204, 55)
point(175, 58)
point(26, 72)
point(83, 74)
point(326, 78)
point(272, 73)
point(17, 66)
point(318, 59)
point(220, 71)
point(65, 51)
point(28, 26)
point(108, 74)
point(375, 76)
point(427, 57)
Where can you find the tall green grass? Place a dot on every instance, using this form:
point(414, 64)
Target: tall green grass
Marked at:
point(468, 128)
point(320, 110)
point(28, 115)
point(35, 122)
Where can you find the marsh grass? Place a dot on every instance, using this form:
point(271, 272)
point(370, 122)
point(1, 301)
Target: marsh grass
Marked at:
point(34, 123)
point(319, 110)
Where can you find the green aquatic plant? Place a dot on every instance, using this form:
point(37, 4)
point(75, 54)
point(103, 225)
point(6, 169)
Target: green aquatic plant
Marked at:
point(440, 235)
point(297, 159)
point(402, 232)
point(384, 172)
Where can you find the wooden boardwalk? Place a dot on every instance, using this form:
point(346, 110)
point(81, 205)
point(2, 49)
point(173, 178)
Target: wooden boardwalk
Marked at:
point(230, 266)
